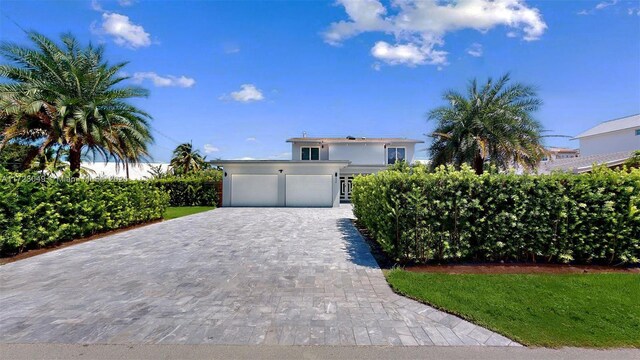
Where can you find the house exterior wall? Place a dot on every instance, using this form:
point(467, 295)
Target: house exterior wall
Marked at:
point(296, 152)
point(611, 142)
point(274, 169)
point(360, 153)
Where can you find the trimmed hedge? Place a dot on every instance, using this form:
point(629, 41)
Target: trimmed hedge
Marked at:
point(450, 215)
point(189, 191)
point(36, 212)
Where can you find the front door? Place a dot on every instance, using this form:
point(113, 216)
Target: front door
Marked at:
point(345, 188)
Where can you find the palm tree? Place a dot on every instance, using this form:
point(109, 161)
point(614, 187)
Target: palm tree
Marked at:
point(67, 96)
point(493, 123)
point(186, 160)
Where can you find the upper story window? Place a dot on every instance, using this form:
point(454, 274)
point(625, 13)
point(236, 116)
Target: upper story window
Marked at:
point(637, 132)
point(395, 154)
point(309, 153)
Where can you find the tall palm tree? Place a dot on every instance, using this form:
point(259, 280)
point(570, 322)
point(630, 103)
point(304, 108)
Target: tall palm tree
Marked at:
point(493, 123)
point(186, 160)
point(68, 96)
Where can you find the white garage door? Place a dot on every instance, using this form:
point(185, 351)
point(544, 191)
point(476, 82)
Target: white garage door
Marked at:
point(309, 190)
point(254, 190)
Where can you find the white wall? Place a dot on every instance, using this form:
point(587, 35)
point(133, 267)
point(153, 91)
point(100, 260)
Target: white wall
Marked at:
point(266, 168)
point(111, 170)
point(615, 141)
point(373, 153)
point(359, 154)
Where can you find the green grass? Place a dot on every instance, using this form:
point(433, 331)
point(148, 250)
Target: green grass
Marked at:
point(585, 310)
point(179, 211)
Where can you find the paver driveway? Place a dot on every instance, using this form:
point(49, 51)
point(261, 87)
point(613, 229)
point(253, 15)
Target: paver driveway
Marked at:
point(228, 276)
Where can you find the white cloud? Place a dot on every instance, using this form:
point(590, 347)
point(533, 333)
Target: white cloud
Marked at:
point(419, 26)
point(208, 149)
point(247, 93)
point(164, 81)
point(605, 4)
point(245, 158)
point(599, 6)
point(125, 3)
point(365, 15)
point(408, 54)
point(231, 48)
point(251, 138)
point(475, 50)
point(95, 5)
point(124, 32)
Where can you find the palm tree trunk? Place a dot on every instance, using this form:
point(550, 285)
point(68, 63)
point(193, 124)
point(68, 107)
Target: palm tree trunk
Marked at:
point(75, 153)
point(478, 164)
point(126, 167)
point(26, 162)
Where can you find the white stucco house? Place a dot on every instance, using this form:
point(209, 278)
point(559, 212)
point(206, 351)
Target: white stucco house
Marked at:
point(319, 173)
point(611, 136)
point(609, 143)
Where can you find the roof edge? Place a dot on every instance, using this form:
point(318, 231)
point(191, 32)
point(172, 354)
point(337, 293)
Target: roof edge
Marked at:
point(304, 162)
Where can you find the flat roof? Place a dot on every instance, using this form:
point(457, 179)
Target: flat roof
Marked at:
point(284, 162)
point(627, 122)
point(337, 140)
point(559, 149)
point(585, 163)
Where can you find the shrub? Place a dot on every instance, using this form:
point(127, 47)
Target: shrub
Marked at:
point(454, 215)
point(199, 189)
point(36, 212)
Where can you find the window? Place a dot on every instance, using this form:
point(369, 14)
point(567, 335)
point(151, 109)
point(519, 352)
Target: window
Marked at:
point(310, 153)
point(637, 132)
point(395, 154)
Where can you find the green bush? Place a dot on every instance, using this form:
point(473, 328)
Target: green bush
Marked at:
point(36, 212)
point(192, 190)
point(452, 215)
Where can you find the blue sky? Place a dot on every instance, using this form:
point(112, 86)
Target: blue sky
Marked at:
point(239, 78)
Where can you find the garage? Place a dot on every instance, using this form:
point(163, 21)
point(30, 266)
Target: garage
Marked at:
point(309, 190)
point(281, 182)
point(254, 190)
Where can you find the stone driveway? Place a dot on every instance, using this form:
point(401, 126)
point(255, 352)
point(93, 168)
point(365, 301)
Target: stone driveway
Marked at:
point(228, 276)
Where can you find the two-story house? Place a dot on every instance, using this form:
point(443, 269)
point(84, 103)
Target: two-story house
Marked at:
point(319, 173)
point(609, 143)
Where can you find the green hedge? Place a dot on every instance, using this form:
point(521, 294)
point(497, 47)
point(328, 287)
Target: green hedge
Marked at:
point(451, 215)
point(38, 212)
point(189, 192)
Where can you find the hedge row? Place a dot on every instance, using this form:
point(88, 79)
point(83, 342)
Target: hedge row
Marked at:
point(451, 215)
point(39, 212)
point(189, 192)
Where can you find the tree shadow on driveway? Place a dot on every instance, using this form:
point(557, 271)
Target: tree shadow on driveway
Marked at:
point(358, 251)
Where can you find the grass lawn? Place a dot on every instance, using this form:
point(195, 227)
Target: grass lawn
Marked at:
point(586, 310)
point(178, 211)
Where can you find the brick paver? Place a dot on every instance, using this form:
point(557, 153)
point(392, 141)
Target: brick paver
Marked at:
point(229, 276)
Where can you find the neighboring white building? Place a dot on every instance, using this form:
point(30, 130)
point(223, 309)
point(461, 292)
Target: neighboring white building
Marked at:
point(556, 153)
point(611, 136)
point(609, 143)
point(319, 173)
point(113, 170)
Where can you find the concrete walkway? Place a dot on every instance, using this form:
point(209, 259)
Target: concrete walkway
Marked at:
point(228, 276)
point(250, 352)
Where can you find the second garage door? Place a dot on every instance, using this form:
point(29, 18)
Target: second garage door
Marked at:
point(309, 190)
point(254, 190)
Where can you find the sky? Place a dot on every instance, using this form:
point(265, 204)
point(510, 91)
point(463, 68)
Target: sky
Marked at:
point(239, 78)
